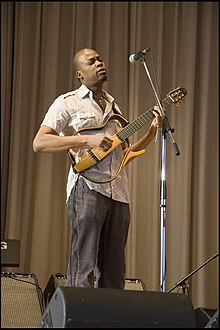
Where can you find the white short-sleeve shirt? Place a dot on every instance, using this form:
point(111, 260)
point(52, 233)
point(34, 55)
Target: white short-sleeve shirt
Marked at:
point(72, 111)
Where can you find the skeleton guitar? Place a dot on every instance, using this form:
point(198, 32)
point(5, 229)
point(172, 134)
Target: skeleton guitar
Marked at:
point(94, 155)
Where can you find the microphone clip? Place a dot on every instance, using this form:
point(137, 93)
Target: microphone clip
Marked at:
point(139, 55)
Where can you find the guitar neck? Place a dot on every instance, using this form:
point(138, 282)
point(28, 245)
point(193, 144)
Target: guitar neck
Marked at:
point(140, 121)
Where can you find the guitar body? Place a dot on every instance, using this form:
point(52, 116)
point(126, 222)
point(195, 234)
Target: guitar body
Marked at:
point(94, 155)
point(131, 155)
point(93, 158)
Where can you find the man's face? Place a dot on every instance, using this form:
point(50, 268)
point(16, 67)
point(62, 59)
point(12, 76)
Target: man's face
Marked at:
point(91, 68)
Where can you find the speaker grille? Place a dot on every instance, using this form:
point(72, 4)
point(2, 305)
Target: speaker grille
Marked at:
point(134, 284)
point(21, 302)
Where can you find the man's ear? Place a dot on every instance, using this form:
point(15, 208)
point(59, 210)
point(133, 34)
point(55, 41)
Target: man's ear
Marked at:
point(79, 75)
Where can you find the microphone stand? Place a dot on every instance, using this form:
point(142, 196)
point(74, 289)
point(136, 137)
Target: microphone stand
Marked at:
point(182, 282)
point(165, 129)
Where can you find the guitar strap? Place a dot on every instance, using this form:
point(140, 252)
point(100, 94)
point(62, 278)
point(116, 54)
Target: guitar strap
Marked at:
point(126, 122)
point(118, 113)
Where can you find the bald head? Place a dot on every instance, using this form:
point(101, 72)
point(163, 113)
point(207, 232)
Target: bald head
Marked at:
point(79, 57)
point(89, 67)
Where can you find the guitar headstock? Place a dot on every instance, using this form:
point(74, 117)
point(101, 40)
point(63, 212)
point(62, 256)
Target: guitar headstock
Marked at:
point(178, 95)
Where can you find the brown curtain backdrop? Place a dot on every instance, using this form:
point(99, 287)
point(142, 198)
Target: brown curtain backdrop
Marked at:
point(37, 45)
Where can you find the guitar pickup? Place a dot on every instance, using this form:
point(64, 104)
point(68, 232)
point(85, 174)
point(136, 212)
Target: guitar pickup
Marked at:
point(94, 156)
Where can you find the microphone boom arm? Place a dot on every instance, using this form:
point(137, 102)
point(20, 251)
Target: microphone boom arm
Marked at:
point(165, 120)
point(182, 281)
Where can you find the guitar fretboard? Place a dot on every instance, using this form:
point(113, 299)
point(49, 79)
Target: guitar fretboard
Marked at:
point(140, 121)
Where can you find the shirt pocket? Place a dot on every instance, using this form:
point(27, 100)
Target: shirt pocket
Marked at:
point(86, 119)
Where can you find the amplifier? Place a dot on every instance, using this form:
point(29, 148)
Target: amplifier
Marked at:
point(21, 301)
point(10, 253)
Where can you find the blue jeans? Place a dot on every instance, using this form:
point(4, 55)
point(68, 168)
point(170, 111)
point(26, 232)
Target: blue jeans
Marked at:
point(99, 233)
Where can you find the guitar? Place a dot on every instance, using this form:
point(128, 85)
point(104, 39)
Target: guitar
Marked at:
point(94, 155)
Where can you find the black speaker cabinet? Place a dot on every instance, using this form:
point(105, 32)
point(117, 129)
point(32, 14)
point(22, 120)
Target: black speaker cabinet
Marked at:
point(10, 253)
point(207, 317)
point(21, 301)
point(61, 280)
point(113, 308)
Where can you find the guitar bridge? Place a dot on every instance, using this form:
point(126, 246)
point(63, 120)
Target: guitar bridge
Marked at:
point(93, 155)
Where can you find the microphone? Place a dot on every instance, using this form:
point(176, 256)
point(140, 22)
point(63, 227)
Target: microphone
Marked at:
point(138, 56)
